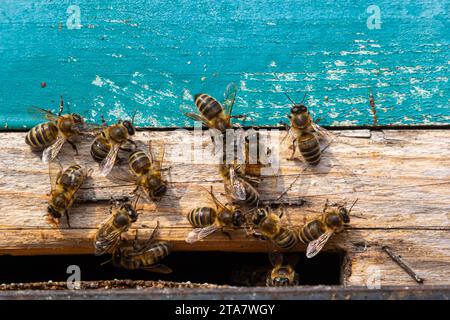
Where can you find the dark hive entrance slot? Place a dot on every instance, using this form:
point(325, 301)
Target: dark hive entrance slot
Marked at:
point(223, 268)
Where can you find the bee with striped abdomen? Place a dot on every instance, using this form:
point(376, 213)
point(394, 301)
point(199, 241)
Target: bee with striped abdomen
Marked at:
point(144, 257)
point(108, 142)
point(107, 237)
point(282, 274)
point(305, 133)
point(212, 113)
point(238, 186)
point(51, 136)
point(269, 226)
point(207, 220)
point(317, 232)
point(147, 170)
point(64, 186)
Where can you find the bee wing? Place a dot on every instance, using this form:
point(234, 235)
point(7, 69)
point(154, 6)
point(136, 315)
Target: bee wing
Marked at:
point(108, 163)
point(276, 258)
point(200, 233)
point(52, 151)
point(230, 97)
point(107, 237)
point(158, 268)
point(315, 246)
point(237, 187)
point(194, 116)
point(54, 171)
point(41, 113)
point(156, 163)
point(322, 131)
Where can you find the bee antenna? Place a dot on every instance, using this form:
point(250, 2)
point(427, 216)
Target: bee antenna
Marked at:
point(349, 210)
point(132, 119)
point(304, 96)
point(105, 262)
point(137, 199)
point(287, 96)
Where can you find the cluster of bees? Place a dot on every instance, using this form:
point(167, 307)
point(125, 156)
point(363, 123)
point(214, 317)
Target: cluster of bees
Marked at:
point(242, 210)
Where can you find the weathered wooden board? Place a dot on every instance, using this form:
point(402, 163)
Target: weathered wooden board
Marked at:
point(152, 56)
point(401, 179)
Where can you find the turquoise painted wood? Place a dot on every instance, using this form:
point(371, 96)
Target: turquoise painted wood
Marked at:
point(153, 56)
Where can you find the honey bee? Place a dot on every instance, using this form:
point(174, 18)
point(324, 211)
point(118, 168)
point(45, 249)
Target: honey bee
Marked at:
point(317, 232)
point(148, 169)
point(238, 186)
point(270, 227)
point(145, 257)
point(64, 186)
point(305, 134)
point(212, 113)
point(107, 237)
point(282, 275)
point(51, 136)
point(207, 220)
point(106, 145)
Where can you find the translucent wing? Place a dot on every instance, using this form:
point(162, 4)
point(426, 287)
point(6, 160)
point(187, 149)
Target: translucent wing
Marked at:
point(54, 171)
point(156, 159)
point(107, 237)
point(108, 163)
point(158, 268)
point(201, 233)
point(52, 151)
point(322, 131)
point(230, 97)
point(194, 116)
point(315, 246)
point(237, 187)
point(40, 113)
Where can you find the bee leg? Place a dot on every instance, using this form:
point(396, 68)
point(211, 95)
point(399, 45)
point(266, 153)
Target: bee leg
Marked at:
point(226, 233)
point(102, 119)
point(258, 235)
point(67, 218)
point(136, 245)
point(293, 150)
point(132, 142)
point(73, 146)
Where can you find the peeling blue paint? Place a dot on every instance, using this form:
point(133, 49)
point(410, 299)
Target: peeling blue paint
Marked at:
point(152, 56)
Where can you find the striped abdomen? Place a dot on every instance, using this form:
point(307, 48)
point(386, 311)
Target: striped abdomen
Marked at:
point(311, 231)
point(208, 106)
point(155, 254)
point(309, 148)
point(132, 260)
point(252, 195)
point(72, 177)
point(100, 148)
point(285, 239)
point(139, 162)
point(42, 135)
point(202, 217)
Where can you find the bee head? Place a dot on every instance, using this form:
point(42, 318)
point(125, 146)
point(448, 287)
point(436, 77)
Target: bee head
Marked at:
point(131, 212)
point(53, 212)
point(77, 118)
point(238, 218)
point(129, 126)
point(343, 212)
point(298, 109)
point(259, 216)
point(156, 187)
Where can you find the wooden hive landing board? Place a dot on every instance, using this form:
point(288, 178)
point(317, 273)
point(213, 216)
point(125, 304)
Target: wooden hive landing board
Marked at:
point(400, 177)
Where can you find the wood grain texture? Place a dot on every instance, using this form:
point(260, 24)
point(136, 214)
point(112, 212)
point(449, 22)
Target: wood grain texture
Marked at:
point(401, 179)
